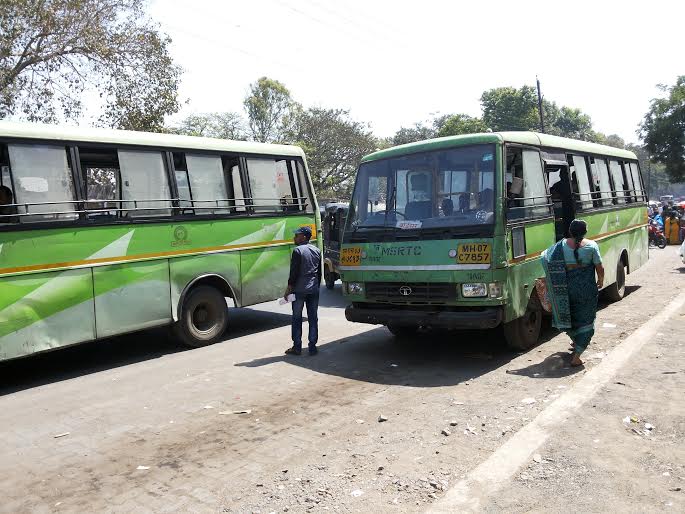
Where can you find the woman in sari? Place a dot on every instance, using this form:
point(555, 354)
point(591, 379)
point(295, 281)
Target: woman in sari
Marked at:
point(570, 266)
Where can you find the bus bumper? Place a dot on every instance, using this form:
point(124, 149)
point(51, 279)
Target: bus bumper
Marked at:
point(488, 317)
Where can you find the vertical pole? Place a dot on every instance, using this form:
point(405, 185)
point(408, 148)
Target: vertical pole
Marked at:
point(542, 121)
point(649, 177)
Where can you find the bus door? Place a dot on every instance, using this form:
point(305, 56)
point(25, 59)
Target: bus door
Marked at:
point(561, 197)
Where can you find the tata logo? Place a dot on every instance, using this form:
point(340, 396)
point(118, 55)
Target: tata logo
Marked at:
point(405, 290)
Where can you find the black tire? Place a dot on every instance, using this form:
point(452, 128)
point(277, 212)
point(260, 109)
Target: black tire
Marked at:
point(403, 331)
point(616, 291)
point(661, 242)
point(523, 333)
point(204, 317)
point(329, 278)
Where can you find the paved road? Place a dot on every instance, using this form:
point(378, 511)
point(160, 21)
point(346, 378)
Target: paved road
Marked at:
point(151, 426)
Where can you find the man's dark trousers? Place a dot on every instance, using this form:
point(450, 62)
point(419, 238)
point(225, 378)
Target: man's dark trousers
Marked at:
point(312, 302)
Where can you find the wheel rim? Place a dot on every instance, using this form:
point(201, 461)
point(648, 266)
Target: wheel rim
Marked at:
point(204, 317)
point(621, 280)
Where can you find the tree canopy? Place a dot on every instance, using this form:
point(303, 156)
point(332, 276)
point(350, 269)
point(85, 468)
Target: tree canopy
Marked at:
point(53, 51)
point(269, 109)
point(222, 125)
point(334, 144)
point(663, 129)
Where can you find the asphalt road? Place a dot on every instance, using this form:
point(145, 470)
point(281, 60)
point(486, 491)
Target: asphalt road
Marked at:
point(139, 424)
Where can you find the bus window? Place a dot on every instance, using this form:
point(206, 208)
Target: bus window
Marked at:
point(43, 182)
point(581, 182)
point(635, 172)
point(207, 184)
point(235, 183)
point(145, 184)
point(526, 190)
point(305, 201)
point(270, 185)
point(628, 181)
point(100, 168)
point(185, 194)
point(600, 174)
point(617, 176)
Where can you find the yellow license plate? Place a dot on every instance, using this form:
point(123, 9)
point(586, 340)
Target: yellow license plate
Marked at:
point(474, 253)
point(351, 256)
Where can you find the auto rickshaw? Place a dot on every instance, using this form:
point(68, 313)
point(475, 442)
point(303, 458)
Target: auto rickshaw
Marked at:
point(333, 225)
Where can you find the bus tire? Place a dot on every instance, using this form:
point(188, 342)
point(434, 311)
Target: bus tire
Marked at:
point(329, 277)
point(403, 331)
point(616, 291)
point(523, 333)
point(204, 317)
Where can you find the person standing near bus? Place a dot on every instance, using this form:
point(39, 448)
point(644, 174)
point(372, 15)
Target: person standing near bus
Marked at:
point(570, 267)
point(304, 282)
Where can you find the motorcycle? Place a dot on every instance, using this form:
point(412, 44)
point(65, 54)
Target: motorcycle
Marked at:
point(656, 236)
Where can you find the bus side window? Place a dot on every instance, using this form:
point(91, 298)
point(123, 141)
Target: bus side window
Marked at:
point(43, 182)
point(7, 209)
point(207, 182)
point(234, 182)
point(600, 174)
point(102, 179)
point(619, 186)
point(637, 182)
point(628, 181)
point(526, 188)
point(581, 182)
point(185, 193)
point(271, 186)
point(145, 189)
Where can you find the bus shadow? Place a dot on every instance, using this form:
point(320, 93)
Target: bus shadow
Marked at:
point(434, 359)
point(85, 359)
point(333, 297)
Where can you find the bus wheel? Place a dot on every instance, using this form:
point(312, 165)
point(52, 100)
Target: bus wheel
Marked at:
point(330, 278)
point(616, 291)
point(403, 331)
point(204, 317)
point(524, 332)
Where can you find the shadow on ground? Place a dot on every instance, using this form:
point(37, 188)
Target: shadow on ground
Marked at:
point(87, 358)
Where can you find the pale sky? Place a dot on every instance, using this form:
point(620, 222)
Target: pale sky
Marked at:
point(394, 63)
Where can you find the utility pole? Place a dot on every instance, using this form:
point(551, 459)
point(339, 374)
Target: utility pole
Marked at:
point(542, 121)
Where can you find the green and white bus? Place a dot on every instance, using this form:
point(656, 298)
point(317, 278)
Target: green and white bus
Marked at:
point(448, 232)
point(104, 232)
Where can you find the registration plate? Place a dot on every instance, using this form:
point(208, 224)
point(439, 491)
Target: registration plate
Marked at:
point(351, 256)
point(474, 253)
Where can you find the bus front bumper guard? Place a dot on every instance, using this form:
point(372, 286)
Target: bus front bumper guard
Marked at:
point(484, 319)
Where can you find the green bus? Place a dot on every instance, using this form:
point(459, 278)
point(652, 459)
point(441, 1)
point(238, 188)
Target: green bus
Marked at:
point(104, 232)
point(448, 232)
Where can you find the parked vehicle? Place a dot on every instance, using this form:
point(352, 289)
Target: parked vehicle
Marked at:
point(333, 223)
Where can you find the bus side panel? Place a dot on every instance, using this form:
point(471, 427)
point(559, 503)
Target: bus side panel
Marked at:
point(43, 311)
point(524, 271)
point(264, 273)
point(131, 296)
point(184, 270)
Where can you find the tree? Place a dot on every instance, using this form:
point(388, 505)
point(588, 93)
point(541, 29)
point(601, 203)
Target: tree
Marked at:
point(418, 132)
point(222, 125)
point(663, 129)
point(269, 109)
point(53, 51)
point(572, 123)
point(508, 108)
point(457, 124)
point(334, 144)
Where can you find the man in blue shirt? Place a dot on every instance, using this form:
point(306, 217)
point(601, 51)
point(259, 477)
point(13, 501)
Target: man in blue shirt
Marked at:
point(304, 282)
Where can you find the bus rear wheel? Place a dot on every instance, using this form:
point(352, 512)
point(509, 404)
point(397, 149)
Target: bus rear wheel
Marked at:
point(523, 333)
point(204, 317)
point(616, 291)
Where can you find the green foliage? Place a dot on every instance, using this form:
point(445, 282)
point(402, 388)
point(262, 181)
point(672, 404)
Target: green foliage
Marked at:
point(663, 129)
point(418, 132)
point(508, 108)
point(334, 145)
point(222, 125)
point(269, 109)
point(457, 124)
point(53, 51)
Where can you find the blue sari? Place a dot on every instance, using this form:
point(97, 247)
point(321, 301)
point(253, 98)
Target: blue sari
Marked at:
point(573, 296)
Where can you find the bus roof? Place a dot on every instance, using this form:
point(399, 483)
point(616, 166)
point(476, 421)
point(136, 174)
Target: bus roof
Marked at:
point(522, 137)
point(130, 137)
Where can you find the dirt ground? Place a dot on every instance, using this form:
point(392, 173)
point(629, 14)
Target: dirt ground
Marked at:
point(155, 430)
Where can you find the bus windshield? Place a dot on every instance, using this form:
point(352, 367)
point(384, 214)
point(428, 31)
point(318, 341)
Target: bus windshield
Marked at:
point(444, 188)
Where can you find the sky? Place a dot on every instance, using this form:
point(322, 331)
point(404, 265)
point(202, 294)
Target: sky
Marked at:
point(395, 63)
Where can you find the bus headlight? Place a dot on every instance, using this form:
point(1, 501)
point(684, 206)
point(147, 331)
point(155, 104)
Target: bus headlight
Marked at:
point(495, 289)
point(355, 288)
point(476, 290)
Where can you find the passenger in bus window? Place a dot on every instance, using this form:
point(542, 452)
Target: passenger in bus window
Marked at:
point(6, 200)
point(447, 207)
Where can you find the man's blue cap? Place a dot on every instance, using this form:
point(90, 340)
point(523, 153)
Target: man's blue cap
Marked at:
point(306, 231)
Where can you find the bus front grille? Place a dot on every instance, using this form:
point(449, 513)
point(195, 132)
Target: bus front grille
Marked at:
point(411, 292)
